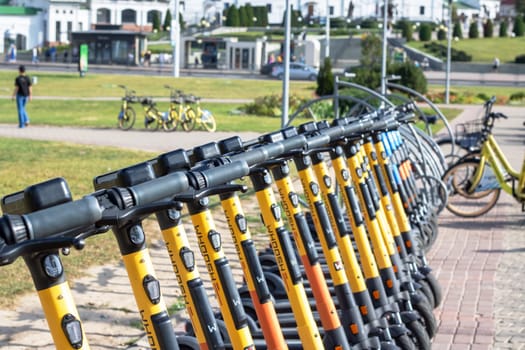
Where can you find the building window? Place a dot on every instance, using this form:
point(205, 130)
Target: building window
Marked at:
point(129, 16)
point(103, 15)
point(421, 10)
point(151, 15)
point(226, 5)
point(331, 10)
point(57, 31)
point(269, 8)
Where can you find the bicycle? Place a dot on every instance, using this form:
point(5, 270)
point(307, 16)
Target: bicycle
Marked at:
point(203, 117)
point(154, 119)
point(476, 180)
point(467, 136)
point(179, 112)
point(127, 115)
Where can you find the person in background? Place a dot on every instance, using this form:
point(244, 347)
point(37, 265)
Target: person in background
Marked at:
point(495, 64)
point(35, 59)
point(22, 92)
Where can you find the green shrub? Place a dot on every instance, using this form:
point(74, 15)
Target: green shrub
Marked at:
point(325, 79)
point(270, 105)
point(503, 29)
point(411, 76)
point(441, 34)
point(456, 31)
point(473, 32)
point(519, 26)
point(406, 29)
point(425, 32)
point(483, 96)
point(441, 52)
point(488, 29)
point(520, 59)
point(369, 23)
point(517, 96)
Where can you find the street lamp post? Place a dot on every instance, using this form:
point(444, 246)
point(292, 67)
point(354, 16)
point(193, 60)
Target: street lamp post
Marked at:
point(286, 64)
point(327, 29)
point(449, 45)
point(383, 53)
point(175, 40)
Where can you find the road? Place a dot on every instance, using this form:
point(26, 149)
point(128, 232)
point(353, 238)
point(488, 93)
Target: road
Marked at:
point(433, 77)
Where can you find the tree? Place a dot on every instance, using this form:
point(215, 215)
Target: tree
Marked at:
point(232, 17)
point(456, 31)
point(167, 21)
point(503, 29)
point(441, 34)
point(406, 29)
point(488, 29)
point(411, 76)
point(249, 15)
point(243, 17)
point(425, 32)
point(519, 27)
point(473, 32)
point(325, 79)
point(369, 72)
point(155, 21)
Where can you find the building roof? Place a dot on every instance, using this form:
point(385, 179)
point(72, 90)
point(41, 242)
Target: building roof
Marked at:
point(18, 10)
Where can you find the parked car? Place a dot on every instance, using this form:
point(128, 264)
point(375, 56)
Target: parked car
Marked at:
point(298, 71)
point(268, 68)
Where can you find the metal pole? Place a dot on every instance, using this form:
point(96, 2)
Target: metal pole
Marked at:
point(175, 40)
point(383, 53)
point(327, 29)
point(449, 45)
point(286, 64)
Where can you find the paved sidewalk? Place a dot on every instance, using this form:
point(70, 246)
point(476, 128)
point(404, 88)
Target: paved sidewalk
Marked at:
point(477, 261)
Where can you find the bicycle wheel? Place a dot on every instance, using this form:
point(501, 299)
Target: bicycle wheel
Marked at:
point(126, 119)
point(188, 120)
point(208, 121)
point(151, 123)
point(447, 147)
point(462, 203)
point(168, 122)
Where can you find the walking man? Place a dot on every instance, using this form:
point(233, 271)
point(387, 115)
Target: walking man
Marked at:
point(22, 92)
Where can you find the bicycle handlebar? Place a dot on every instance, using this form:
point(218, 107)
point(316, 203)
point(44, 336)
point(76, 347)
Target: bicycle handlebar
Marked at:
point(117, 206)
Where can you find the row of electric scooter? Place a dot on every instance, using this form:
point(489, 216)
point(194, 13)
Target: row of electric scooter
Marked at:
point(345, 266)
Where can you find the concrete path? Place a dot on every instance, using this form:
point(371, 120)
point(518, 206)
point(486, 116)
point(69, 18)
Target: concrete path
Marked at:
point(478, 261)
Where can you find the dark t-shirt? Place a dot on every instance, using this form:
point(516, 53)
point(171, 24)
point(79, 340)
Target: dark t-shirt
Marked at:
point(23, 82)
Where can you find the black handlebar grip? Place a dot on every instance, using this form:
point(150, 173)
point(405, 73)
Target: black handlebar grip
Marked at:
point(159, 188)
point(84, 212)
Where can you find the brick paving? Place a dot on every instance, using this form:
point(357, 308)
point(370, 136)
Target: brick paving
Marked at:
point(479, 263)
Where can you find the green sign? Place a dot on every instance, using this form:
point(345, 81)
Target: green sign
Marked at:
point(83, 63)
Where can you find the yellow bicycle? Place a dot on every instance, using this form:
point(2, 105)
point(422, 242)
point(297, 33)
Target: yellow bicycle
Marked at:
point(154, 119)
point(179, 112)
point(202, 117)
point(475, 182)
point(126, 117)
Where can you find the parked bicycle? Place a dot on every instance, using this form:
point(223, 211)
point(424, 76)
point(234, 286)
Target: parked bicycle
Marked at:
point(179, 111)
point(154, 119)
point(127, 115)
point(476, 180)
point(202, 117)
point(467, 136)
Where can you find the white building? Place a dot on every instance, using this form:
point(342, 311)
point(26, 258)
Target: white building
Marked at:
point(40, 22)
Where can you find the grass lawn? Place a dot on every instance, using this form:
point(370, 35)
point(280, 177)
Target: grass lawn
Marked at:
point(106, 85)
point(26, 162)
point(485, 49)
